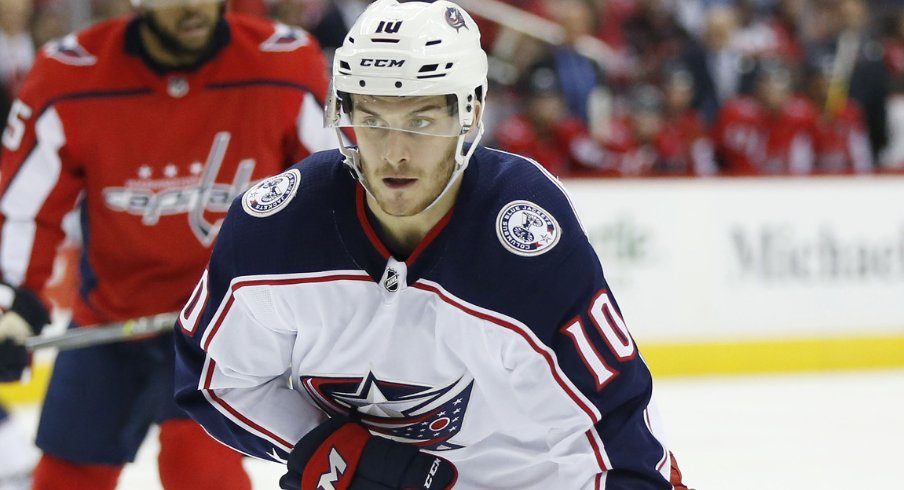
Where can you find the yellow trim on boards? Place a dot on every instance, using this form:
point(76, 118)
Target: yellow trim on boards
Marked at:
point(774, 356)
point(675, 360)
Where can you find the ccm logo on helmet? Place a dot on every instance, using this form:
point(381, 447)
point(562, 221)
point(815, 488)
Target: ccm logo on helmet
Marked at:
point(382, 63)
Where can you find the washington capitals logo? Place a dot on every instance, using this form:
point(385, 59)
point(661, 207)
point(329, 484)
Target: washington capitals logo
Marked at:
point(285, 38)
point(67, 50)
point(422, 416)
point(455, 19)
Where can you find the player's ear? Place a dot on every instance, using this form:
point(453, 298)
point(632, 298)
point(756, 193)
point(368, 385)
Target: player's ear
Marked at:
point(478, 112)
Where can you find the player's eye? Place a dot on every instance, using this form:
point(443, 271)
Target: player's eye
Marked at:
point(419, 123)
point(373, 122)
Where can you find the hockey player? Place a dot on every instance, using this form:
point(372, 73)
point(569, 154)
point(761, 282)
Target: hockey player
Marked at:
point(417, 311)
point(157, 121)
point(769, 132)
point(840, 135)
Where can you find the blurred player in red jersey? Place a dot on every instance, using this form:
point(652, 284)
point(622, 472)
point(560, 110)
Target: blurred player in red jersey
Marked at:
point(16, 56)
point(152, 125)
point(840, 138)
point(769, 132)
point(546, 132)
point(634, 142)
point(659, 135)
point(685, 125)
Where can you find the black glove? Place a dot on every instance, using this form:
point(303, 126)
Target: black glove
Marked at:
point(21, 315)
point(341, 454)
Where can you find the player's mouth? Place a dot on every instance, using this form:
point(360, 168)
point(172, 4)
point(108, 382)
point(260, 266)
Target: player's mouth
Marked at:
point(194, 27)
point(398, 182)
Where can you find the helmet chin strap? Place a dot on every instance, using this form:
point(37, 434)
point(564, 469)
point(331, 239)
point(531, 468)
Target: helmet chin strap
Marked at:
point(353, 161)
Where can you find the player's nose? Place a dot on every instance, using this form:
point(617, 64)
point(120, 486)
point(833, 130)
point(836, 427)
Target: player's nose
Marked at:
point(396, 149)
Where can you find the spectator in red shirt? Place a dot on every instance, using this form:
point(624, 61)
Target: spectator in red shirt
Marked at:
point(840, 139)
point(658, 136)
point(17, 51)
point(634, 145)
point(769, 132)
point(545, 131)
point(686, 125)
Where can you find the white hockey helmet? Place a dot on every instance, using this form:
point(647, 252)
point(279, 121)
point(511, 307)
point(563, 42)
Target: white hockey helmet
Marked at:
point(412, 48)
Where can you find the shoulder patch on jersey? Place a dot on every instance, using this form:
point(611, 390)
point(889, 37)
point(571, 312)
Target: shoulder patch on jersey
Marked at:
point(285, 38)
point(270, 195)
point(527, 229)
point(69, 52)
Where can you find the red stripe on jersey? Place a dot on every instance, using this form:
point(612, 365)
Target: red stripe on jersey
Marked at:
point(596, 451)
point(519, 331)
point(219, 401)
point(365, 224)
point(431, 235)
point(378, 244)
point(646, 418)
point(273, 282)
point(205, 344)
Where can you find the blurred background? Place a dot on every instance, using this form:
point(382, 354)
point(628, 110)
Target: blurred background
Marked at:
point(739, 167)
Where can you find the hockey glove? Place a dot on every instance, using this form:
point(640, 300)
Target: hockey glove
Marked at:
point(21, 315)
point(341, 454)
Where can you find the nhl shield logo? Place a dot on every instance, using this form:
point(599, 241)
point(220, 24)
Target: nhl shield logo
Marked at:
point(527, 229)
point(271, 195)
point(391, 283)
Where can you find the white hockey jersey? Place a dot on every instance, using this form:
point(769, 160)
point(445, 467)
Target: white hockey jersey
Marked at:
point(496, 344)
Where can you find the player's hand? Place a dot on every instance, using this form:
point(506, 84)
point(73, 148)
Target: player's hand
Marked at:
point(341, 454)
point(21, 315)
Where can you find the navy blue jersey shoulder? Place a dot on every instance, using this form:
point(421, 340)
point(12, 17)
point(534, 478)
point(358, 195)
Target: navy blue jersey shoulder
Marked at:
point(298, 238)
point(506, 205)
point(500, 178)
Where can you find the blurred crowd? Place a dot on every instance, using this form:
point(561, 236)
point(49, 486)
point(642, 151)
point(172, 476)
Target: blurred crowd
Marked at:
point(635, 87)
point(710, 87)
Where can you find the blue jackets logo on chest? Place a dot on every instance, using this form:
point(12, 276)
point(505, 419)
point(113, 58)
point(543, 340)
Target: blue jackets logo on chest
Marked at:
point(424, 416)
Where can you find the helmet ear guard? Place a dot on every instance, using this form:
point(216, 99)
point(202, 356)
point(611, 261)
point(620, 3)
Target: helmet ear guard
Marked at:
point(410, 49)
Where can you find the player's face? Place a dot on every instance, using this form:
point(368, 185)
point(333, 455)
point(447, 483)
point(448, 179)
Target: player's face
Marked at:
point(405, 168)
point(183, 27)
point(774, 92)
point(679, 95)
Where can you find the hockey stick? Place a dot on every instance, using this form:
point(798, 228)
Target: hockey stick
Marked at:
point(842, 69)
point(76, 338)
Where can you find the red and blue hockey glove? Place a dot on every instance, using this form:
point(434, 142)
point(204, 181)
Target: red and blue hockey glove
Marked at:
point(341, 454)
point(21, 315)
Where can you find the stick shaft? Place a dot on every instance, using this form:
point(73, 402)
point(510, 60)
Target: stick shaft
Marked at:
point(104, 334)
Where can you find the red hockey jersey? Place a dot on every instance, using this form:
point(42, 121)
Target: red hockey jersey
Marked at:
point(752, 141)
point(563, 149)
point(841, 142)
point(154, 156)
